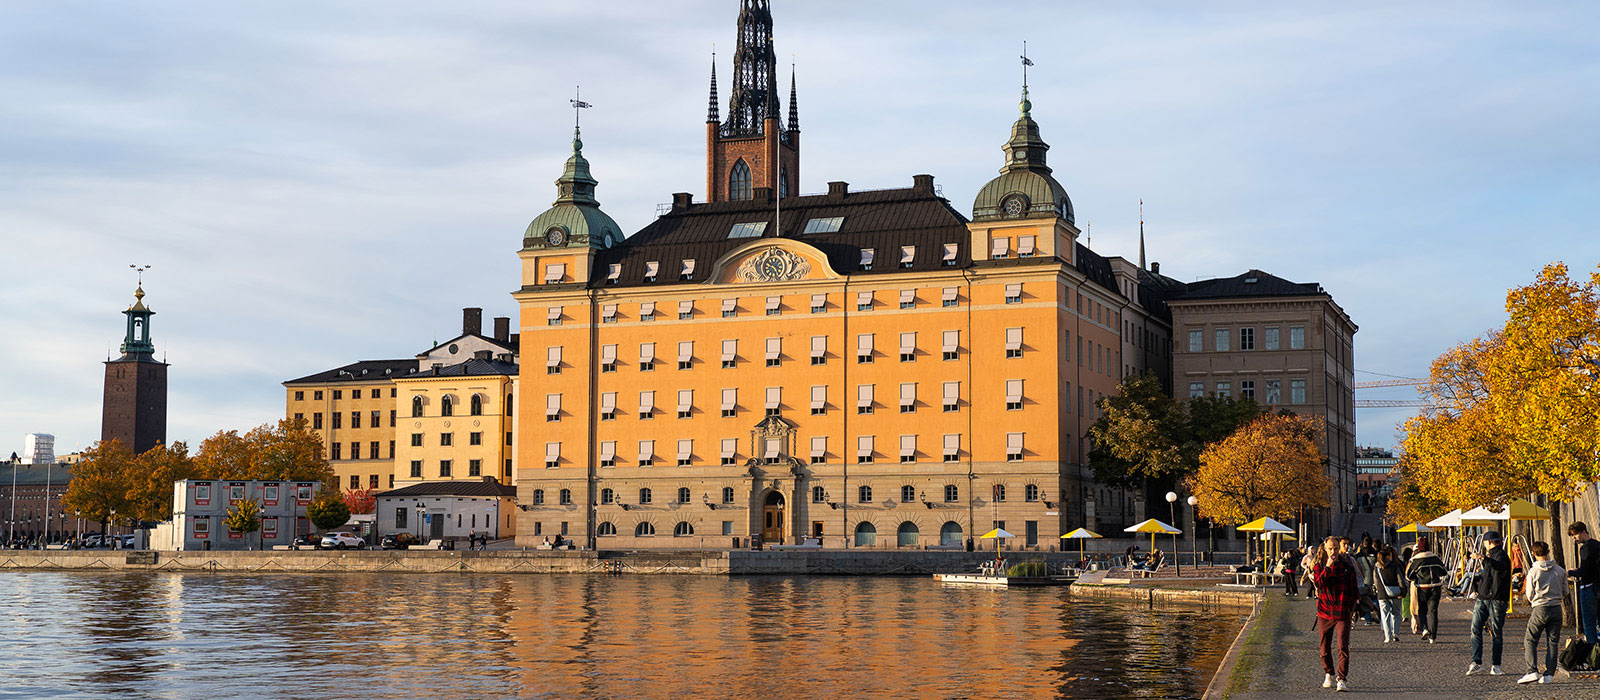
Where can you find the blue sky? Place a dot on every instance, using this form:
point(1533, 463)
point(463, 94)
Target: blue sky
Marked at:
point(317, 183)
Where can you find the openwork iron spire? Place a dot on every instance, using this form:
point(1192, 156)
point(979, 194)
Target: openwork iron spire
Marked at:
point(711, 108)
point(794, 103)
point(755, 73)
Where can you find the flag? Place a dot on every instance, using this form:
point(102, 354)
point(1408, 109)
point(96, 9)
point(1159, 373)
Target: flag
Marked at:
point(580, 104)
point(1026, 62)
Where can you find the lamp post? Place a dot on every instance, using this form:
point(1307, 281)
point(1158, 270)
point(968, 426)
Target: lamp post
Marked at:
point(1194, 523)
point(1172, 507)
point(422, 512)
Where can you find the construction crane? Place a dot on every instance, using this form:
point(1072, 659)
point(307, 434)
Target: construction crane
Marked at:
point(1390, 382)
point(1389, 403)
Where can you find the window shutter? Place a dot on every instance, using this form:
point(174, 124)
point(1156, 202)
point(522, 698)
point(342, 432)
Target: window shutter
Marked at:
point(819, 397)
point(647, 352)
point(908, 445)
point(774, 396)
point(685, 400)
point(952, 443)
point(552, 404)
point(864, 446)
point(729, 446)
point(647, 401)
point(908, 394)
point(1025, 245)
point(819, 446)
point(819, 345)
point(999, 247)
point(774, 348)
point(730, 349)
point(686, 351)
point(730, 304)
point(1013, 338)
point(1013, 391)
point(553, 356)
point(647, 449)
point(730, 399)
point(864, 395)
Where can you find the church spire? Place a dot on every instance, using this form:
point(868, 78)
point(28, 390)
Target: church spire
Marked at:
point(755, 72)
point(711, 108)
point(794, 103)
point(1141, 234)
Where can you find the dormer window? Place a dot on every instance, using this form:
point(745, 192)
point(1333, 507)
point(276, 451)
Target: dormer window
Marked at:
point(688, 271)
point(949, 259)
point(828, 224)
point(613, 273)
point(908, 255)
point(651, 269)
point(866, 258)
point(749, 229)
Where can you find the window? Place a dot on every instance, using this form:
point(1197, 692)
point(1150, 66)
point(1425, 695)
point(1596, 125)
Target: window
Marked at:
point(752, 229)
point(951, 493)
point(447, 405)
point(952, 397)
point(908, 397)
point(647, 452)
point(774, 403)
point(608, 313)
point(416, 469)
point(1247, 338)
point(1196, 340)
point(1197, 389)
point(566, 497)
point(685, 310)
point(606, 529)
point(819, 350)
point(613, 272)
point(739, 181)
point(774, 306)
point(552, 408)
point(1222, 340)
point(1013, 447)
point(683, 494)
point(819, 303)
point(647, 405)
point(685, 354)
point(774, 354)
point(644, 498)
point(864, 348)
point(866, 258)
point(1013, 342)
point(299, 395)
point(908, 449)
point(446, 439)
point(863, 301)
point(949, 297)
point(864, 449)
point(999, 493)
point(730, 308)
point(608, 405)
point(316, 421)
point(864, 494)
point(999, 248)
point(416, 439)
point(608, 358)
point(1269, 338)
point(1247, 389)
point(338, 394)
point(685, 452)
point(1030, 493)
point(1013, 394)
point(554, 273)
point(1013, 294)
point(355, 482)
point(1025, 246)
point(772, 450)
point(444, 467)
point(552, 455)
point(646, 529)
point(908, 256)
point(377, 419)
point(730, 353)
point(908, 347)
point(338, 420)
point(730, 402)
point(818, 495)
point(819, 400)
point(608, 453)
point(1297, 338)
point(951, 345)
point(316, 396)
point(475, 438)
point(729, 446)
point(647, 310)
point(908, 494)
point(687, 273)
point(1224, 389)
point(864, 398)
point(908, 298)
point(1274, 392)
point(553, 316)
point(685, 403)
point(866, 534)
point(727, 495)
point(475, 406)
point(682, 529)
point(829, 224)
point(1297, 391)
point(819, 449)
point(647, 357)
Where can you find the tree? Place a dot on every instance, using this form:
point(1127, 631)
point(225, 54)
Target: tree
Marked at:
point(244, 516)
point(1269, 467)
point(1145, 434)
point(1408, 502)
point(100, 482)
point(285, 451)
point(150, 490)
point(360, 501)
point(328, 510)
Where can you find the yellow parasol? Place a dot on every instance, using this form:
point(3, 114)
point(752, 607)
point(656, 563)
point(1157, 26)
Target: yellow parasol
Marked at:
point(1267, 527)
point(1154, 527)
point(1416, 528)
point(1080, 535)
point(996, 534)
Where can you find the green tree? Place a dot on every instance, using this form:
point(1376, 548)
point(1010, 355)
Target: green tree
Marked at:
point(328, 510)
point(1144, 434)
point(244, 516)
point(100, 482)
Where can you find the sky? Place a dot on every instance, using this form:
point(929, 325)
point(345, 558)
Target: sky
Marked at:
point(315, 183)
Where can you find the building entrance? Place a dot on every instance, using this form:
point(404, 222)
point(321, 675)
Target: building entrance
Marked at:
point(772, 518)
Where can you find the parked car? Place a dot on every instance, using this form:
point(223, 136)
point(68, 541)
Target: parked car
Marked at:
point(402, 540)
point(341, 540)
point(306, 541)
point(126, 541)
point(91, 541)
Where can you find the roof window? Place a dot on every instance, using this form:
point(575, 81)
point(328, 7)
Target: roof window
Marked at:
point(751, 229)
point(826, 224)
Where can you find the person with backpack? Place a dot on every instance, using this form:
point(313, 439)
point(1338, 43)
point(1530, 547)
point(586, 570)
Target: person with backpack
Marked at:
point(1427, 572)
point(1335, 574)
point(1494, 589)
point(1587, 576)
point(1388, 583)
point(1544, 586)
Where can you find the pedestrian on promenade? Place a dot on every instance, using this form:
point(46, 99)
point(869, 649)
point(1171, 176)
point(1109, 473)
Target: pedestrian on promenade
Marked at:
point(1306, 563)
point(1427, 573)
point(1366, 558)
point(1544, 586)
point(1588, 578)
point(1335, 574)
point(1389, 585)
point(1291, 572)
point(1408, 604)
point(1494, 590)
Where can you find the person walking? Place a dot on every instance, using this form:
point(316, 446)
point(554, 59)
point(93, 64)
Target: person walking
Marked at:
point(1335, 575)
point(1494, 590)
point(1543, 587)
point(1587, 576)
point(1291, 572)
point(1389, 585)
point(1426, 572)
point(1305, 571)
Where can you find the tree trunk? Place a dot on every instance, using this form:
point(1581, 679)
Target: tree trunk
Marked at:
point(1558, 551)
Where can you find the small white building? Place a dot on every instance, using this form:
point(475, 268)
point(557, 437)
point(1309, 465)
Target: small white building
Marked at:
point(200, 512)
point(39, 449)
point(449, 509)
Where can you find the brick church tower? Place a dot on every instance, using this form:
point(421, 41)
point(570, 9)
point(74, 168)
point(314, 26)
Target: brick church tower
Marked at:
point(135, 407)
point(752, 149)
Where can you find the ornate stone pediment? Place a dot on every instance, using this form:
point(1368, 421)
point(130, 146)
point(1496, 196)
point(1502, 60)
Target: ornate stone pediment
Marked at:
point(769, 260)
point(772, 265)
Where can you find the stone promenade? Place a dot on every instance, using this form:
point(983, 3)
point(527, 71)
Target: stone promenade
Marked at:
point(1279, 661)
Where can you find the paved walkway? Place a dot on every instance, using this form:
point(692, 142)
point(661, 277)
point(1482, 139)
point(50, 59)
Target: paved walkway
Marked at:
point(1280, 660)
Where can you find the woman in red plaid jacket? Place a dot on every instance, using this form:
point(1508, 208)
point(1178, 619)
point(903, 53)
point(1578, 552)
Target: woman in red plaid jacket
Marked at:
point(1335, 576)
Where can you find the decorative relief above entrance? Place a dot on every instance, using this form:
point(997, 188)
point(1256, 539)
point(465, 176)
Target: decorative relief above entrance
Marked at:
point(772, 265)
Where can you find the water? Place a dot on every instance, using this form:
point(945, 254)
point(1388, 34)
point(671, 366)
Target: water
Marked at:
point(187, 635)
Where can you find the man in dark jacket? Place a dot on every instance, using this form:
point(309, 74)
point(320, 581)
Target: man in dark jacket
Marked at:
point(1494, 592)
point(1588, 577)
point(1336, 580)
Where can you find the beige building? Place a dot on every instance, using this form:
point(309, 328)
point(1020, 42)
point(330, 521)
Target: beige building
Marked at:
point(1286, 345)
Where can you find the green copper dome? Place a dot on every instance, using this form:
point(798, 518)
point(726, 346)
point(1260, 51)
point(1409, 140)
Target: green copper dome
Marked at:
point(576, 214)
point(1025, 188)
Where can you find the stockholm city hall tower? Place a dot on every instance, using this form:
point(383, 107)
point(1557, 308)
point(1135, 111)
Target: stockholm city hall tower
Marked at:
point(135, 405)
point(753, 148)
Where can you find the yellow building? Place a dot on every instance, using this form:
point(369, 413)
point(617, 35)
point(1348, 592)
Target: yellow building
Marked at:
point(353, 409)
point(457, 422)
point(870, 368)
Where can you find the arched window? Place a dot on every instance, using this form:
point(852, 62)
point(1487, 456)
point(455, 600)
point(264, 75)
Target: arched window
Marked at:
point(951, 494)
point(950, 534)
point(644, 496)
point(683, 494)
point(1030, 492)
point(866, 534)
point(607, 496)
point(538, 497)
point(606, 529)
point(864, 494)
point(477, 404)
point(682, 529)
point(739, 181)
point(783, 182)
point(999, 493)
point(644, 530)
point(566, 497)
point(908, 494)
point(416, 406)
point(446, 406)
point(818, 495)
point(508, 405)
point(907, 535)
point(727, 494)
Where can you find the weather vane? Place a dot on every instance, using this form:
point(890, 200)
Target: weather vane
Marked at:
point(577, 105)
point(1025, 64)
point(140, 270)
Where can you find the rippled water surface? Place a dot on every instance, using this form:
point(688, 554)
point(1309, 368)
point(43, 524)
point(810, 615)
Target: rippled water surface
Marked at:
point(574, 636)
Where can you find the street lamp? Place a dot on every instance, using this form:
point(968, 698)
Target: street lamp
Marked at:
point(1172, 506)
point(1194, 523)
point(422, 512)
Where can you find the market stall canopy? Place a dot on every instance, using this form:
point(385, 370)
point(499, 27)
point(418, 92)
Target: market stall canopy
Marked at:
point(1154, 527)
point(1082, 534)
point(1450, 519)
point(1265, 525)
point(1517, 509)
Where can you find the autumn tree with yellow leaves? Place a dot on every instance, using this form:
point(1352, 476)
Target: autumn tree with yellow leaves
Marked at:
point(1270, 467)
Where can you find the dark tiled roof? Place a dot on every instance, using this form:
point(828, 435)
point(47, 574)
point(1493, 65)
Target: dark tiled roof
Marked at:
point(1097, 268)
point(883, 220)
point(470, 368)
point(27, 475)
point(1154, 291)
point(363, 371)
point(452, 488)
point(1254, 283)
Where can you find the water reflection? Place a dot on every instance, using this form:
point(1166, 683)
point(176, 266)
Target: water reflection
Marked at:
point(373, 635)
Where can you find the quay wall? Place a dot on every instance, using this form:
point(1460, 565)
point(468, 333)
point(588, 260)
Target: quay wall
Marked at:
point(1156, 596)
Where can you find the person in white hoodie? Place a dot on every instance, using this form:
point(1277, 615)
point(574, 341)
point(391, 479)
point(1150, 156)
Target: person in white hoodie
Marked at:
point(1542, 587)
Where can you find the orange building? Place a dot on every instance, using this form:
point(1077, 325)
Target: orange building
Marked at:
point(869, 368)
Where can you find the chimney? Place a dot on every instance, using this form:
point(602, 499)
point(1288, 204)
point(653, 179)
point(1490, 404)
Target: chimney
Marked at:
point(1155, 267)
point(763, 195)
point(472, 321)
point(682, 200)
point(502, 328)
point(923, 184)
point(837, 190)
